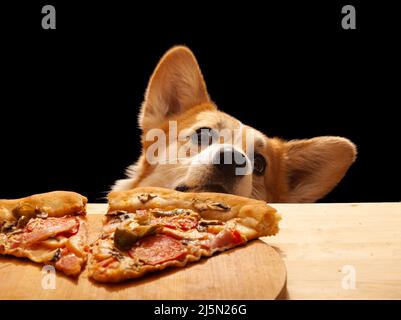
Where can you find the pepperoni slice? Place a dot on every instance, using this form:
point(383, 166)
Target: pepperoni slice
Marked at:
point(36, 225)
point(41, 229)
point(157, 249)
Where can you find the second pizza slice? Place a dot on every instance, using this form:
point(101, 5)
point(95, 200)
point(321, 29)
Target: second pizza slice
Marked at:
point(149, 229)
point(48, 228)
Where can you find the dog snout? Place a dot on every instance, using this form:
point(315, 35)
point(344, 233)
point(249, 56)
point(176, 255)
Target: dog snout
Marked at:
point(228, 160)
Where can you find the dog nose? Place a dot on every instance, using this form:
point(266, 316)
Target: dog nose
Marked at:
point(227, 160)
point(182, 188)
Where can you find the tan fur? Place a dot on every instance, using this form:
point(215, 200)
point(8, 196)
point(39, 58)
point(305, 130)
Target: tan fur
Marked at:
point(176, 85)
point(297, 170)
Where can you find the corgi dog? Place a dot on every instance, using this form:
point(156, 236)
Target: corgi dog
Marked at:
point(183, 148)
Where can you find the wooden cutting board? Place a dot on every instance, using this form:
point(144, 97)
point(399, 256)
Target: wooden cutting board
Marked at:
point(254, 271)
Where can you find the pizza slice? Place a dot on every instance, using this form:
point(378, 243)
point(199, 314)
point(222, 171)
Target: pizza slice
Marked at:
point(47, 228)
point(149, 229)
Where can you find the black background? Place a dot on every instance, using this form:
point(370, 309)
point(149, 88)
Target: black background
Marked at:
point(106, 309)
point(70, 97)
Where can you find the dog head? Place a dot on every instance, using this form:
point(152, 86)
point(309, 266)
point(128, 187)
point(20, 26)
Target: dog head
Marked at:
point(189, 145)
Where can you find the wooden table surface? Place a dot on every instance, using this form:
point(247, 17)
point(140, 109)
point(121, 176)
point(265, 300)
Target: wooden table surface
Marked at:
point(341, 251)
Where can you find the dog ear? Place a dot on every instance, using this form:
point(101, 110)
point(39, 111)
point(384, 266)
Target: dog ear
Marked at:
point(176, 85)
point(315, 166)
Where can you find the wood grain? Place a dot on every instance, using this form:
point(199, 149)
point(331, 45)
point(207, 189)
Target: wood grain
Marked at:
point(322, 244)
point(228, 275)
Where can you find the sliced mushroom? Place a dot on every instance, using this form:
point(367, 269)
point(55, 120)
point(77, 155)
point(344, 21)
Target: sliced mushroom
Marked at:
point(202, 205)
point(210, 222)
point(23, 221)
point(169, 213)
point(199, 205)
point(8, 227)
point(221, 206)
point(125, 238)
point(24, 209)
point(116, 213)
point(145, 197)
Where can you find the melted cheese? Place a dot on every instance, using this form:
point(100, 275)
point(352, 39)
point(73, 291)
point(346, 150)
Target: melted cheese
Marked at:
point(54, 243)
point(39, 255)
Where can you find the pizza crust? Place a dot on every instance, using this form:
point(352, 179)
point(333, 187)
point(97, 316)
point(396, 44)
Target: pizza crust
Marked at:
point(248, 217)
point(53, 204)
point(255, 217)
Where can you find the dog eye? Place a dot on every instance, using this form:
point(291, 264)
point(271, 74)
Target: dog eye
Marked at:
point(259, 164)
point(203, 136)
